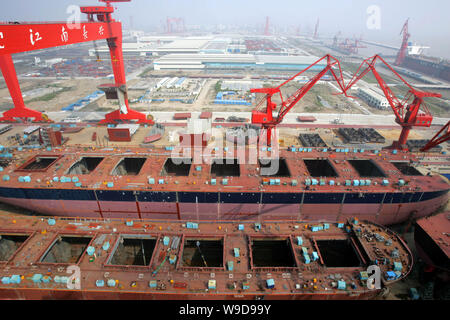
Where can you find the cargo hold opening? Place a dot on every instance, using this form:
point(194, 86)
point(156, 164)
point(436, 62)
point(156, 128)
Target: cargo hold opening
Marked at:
point(367, 169)
point(320, 168)
point(39, 163)
point(133, 251)
point(129, 167)
point(85, 165)
point(9, 245)
point(66, 249)
point(274, 167)
point(225, 168)
point(203, 253)
point(406, 169)
point(177, 167)
point(338, 253)
point(272, 253)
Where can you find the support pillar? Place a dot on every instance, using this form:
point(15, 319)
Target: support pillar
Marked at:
point(124, 113)
point(19, 110)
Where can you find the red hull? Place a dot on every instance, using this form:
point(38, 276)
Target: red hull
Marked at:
point(43, 294)
point(384, 214)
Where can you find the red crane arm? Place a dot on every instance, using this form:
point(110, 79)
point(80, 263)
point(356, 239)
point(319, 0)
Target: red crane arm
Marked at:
point(287, 105)
point(407, 110)
point(290, 102)
point(404, 113)
point(266, 119)
point(16, 38)
point(394, 102)
point(440, 137)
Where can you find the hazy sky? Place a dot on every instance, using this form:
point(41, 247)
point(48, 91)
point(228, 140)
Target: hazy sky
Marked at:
point(429, 20)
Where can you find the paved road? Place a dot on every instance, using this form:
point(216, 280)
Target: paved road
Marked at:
point(290, 119)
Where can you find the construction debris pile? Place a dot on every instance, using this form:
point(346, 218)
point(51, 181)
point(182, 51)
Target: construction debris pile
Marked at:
point(416, 145)
point(311, 140)
point(248, 133)
point(362, 135)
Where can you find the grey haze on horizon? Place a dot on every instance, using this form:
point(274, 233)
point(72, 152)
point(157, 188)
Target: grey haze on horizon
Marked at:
point(429, 20)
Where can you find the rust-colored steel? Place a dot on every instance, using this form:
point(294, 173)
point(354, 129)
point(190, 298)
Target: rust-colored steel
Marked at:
point(164, 269)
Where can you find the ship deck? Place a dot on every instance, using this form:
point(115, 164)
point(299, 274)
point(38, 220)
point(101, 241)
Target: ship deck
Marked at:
point(328, 171)
point(136, 259)
point(438, 229)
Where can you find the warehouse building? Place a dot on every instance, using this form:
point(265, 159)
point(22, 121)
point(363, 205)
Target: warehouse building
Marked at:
point(373, 98)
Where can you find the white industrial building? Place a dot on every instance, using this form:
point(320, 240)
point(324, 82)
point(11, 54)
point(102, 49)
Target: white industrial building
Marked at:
point(236, 61)
point(128, 49)
point(158, 46)
point(372, 98)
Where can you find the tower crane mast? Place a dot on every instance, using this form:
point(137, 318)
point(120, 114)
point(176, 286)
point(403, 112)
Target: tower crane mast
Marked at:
point(407, 111)
point(266, 117)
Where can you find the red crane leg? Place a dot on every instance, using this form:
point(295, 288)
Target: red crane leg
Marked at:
point(115, 49)
point(265, 137)
point(19, 110)
point(401, 143)
point(404, 137)
point(269, 137)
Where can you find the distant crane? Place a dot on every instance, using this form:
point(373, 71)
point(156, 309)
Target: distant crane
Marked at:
point(404, 48)
point(266, 117)
point(266, 28)
point(407, 111)
point(316, 30)
point(348, 46)
point(179, 25)
point(357, 44)
point(335, 39)
point(440, 137)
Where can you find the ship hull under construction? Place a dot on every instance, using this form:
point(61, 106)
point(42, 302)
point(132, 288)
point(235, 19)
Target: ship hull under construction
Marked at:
point(312, 185)
point(387, 208)
point(181, 260)
point(61, 294)
point(429, 66)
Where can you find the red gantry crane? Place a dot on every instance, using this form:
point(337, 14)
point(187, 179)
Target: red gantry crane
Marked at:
point(24, 37)
point(407, 111)
point(440, 137)
point(266, 117)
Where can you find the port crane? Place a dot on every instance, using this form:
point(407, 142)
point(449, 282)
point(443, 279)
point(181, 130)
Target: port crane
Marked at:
point(316, 30)
point(407, 111)
point(266, 117)
point(335, 39)
point(178, 22)
point(266, 27)
point(404, 48)
point(23, 37)
point(440, 137)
